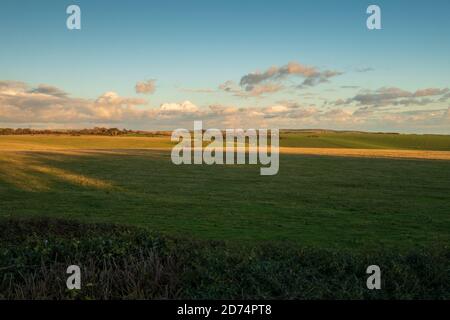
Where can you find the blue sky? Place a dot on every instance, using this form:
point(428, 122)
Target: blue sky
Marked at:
point(189, 48)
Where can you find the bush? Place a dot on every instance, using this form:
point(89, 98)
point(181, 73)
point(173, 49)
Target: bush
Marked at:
point(130, 263)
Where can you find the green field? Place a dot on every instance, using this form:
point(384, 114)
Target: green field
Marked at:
point(307, 139)
point(318, 201)
point(361, 140)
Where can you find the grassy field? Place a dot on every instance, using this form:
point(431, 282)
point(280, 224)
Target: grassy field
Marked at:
point(318, 201)
point(361, 140)
point(302, 139)
point(65, 142)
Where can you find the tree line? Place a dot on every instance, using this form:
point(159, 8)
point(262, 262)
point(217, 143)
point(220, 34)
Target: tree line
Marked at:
point(92, 131)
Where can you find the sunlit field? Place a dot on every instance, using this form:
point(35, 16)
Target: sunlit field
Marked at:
point(320, 201)
point(288, 138)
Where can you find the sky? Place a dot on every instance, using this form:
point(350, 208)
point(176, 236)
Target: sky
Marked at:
point(250, 64)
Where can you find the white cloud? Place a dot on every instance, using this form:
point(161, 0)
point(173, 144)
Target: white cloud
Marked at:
point(184, 107)
point(146, 87)
point(46, 106)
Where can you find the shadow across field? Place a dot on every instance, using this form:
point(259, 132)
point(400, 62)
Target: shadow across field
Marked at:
point(355, 203)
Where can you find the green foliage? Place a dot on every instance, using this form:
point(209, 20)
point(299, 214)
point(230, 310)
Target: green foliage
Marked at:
point(131, 263)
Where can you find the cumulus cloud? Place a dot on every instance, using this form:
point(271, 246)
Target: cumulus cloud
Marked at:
point(273, 80)
point(146, 87)
point(277, 73)
point(289, 111)
point(254, 91)
point(430, 92)
point(395, 96)
point(311, 75)
point(47, 106)
point(113, 99)
point(259, 90)
point(185, 107)
point(445, 97)
point(223, 110)
point(13, 85)
point(417, 119)
point(447, 115)
point(339, 115)
point(49, 90)
point(380, 96)
point(229, 86)
point(319, 77)
point(273, 116)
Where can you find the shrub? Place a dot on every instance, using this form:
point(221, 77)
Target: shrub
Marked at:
point(130, 263)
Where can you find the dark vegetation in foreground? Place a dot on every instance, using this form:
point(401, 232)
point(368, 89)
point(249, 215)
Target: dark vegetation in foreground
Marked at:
point(129, 263)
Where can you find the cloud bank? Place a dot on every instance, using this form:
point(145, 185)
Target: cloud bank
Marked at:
point(22, 105)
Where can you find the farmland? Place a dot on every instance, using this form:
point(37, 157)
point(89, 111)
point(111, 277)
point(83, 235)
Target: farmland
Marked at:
point(141, 227)
point(315, 200)
point(288, 138)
